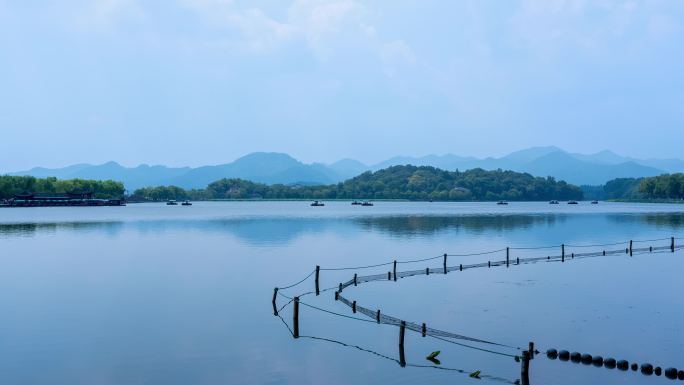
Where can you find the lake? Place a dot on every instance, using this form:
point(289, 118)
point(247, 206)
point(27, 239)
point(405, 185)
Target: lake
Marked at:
point(156, 294)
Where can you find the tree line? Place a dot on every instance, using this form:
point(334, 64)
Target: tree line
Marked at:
point(667, 187)
point(14, 185)
point(397, 182)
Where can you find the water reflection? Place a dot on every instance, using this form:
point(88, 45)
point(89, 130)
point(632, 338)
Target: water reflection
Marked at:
point(399, 361)
point(281, 231)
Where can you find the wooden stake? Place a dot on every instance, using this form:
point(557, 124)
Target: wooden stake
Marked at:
point(445, 263)
point(395, 270)
point(295, 318)
point(563, 252)
point(275, 308)
point(318, 271)
point(402, 332)
point(525, 368)
point(630, 248)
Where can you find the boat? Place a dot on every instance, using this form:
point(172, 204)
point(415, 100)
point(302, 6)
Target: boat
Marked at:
point(501, 203)
point(172, 203)
point(186, 203)
point(553, 202)
point(367, 203)
point(572, 202)
point(317, 204)
point(356, 203)
point(594, 202)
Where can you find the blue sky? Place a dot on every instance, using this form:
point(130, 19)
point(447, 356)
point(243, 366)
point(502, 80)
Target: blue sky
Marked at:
point(193, 82)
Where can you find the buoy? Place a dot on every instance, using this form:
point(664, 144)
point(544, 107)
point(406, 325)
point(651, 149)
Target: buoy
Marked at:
point(671, 373)
point(657, 371)
point(680, 374)
point(575, 357)
point(563, 355)
point(647, 369)
point(623, 365)
point(609, 363)
point(635, 367)
point(597, 361)
point(552, 354)
point(586, 358)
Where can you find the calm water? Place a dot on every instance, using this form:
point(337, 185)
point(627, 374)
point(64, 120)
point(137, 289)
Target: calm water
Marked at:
point(150, 294)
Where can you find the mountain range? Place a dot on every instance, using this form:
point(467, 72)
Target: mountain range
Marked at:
point(271, 168)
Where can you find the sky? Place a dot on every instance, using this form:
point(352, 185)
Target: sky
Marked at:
point(196, 82)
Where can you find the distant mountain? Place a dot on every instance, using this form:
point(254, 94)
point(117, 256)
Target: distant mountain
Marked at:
point(348, 168)
point(545, 161)
point(142, 175)
point(270, 168)
point(260, 167)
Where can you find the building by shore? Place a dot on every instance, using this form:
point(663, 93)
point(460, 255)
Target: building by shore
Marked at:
point(75, 198)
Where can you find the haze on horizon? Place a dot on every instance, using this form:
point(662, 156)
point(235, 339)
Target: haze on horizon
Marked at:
point(196, 82)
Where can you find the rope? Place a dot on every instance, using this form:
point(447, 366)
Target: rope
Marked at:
point(536, 248)
point(422, 260)
point(475, 254)
point(327, 311)
point(295, 284)
point(473, 347)
point(356, 267)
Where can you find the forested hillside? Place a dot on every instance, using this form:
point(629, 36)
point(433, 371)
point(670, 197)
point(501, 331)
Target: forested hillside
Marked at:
point(397, 182)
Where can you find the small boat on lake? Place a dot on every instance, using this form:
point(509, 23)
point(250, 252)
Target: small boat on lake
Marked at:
point(501, 203)
point(317, 204)
point(367, 203)
point(356, 203)
point(594, 202)
point(172, 202)
point(186, 203)
point(553, 202)
point(572, 202)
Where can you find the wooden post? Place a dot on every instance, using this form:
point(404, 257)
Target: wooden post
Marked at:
point(402, 331)
point(337, 295)
point(445, 263)
point(604, 252)
point(489, 263)
point(424, 330)
point(389, 275)
point(525, 368)
point(354, 307)
point(377, 316)
point(650, 249)
point(517, 260)
point(355, 279)
point(275, 308)
point(340, 289)
point(295, 318)
point(318, 271)
point(508, 254)
point(460, 267)
point(672, 244)
point(395, 270)
point(563, 252)
point(630, 247)
point(531, 349)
